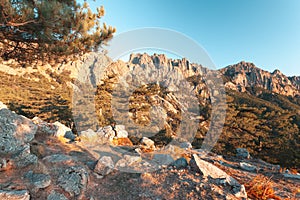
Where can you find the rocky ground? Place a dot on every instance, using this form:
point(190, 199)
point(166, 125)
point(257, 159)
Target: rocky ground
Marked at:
point(40, 160)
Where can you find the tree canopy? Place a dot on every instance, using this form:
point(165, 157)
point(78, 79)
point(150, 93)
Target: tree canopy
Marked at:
point(49, 30)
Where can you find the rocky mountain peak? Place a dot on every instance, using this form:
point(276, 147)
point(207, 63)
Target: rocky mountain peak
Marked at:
point(245, 75)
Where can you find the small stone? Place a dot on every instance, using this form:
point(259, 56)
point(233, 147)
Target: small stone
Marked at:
point(104, 166)
point(242, 153)
point(247, 166)
point(70, 135)
point(180, 163)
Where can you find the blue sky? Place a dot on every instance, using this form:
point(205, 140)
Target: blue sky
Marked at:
point(265, 32)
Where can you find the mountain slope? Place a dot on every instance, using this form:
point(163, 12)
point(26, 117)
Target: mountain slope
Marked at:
point(262, 115)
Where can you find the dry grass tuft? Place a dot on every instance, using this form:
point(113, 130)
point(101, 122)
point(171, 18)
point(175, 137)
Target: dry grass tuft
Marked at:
point(261, 188)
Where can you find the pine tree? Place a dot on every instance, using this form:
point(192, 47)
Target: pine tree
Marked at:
point(49, 30)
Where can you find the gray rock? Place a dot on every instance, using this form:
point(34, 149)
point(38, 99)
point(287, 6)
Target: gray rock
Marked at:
point(104, 166)
point(162, 159)
point(70, 135)
point(240, 192)
point(247, 167)
point(56, 196)
point(23, 157)
point(293, 176)
point(209, 170)
point(58, 158)
point(44, 127)
point(186, 145)
point(128, 160)
point(242, 153)
point(180, 163)
point(38, 180)
point(74, 180)
point(14, 195)
point(15, 131)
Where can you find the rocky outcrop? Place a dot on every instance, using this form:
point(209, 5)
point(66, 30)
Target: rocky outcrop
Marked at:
point(244, 75)
point(16, 132)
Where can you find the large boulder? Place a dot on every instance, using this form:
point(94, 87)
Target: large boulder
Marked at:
point(15, 131)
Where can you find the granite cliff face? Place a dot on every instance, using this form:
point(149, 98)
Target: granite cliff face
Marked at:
point(244, 76)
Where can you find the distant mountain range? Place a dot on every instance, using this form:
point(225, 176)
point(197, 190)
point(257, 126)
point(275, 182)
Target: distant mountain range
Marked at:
point(263, 113)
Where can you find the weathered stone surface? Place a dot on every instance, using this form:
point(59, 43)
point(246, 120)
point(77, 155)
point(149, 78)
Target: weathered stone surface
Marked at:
point(103, 135)
point(23, 157)
point(180, 163)
point(294, 176)
point(128, 160)
point(38, 180)
point(14, 195)
point(15, 131)
point(44, 127)
point(162, 159)
point(209, 170)
point(186, 145)
point(56, 196)
point(58, 158)
point(242, 153)
point(104, 166)
point(74, 180)
point(247, 166)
